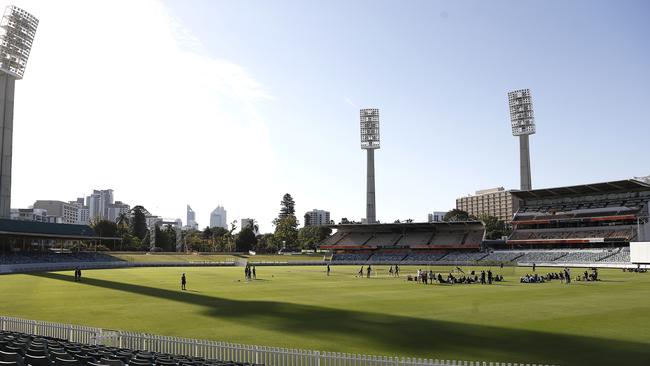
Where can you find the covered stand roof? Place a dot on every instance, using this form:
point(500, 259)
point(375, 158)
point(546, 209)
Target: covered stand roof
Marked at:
point(45, 230)
point(583, 189)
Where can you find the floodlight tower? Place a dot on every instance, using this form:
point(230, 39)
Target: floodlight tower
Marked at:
point(370, 142)
point(523, 125)
point(17, 30)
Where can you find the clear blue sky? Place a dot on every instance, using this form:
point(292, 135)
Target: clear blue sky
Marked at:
point(238, 102)
point(439, 72)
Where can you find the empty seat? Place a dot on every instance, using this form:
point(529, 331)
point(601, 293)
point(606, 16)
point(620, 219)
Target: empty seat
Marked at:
point(10, 356)
point(36, 360)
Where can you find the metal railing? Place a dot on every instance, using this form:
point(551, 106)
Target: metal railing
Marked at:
point(269, 356)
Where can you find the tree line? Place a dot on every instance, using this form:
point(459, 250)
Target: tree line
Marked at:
point(131, 229)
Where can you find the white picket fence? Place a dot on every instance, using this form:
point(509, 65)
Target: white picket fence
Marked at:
point(269, 356)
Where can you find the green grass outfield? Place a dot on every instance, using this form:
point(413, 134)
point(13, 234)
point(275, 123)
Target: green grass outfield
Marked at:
point(586, 323)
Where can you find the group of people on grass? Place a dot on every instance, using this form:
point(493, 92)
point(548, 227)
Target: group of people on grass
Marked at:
point(564, 276)
point(428, 277)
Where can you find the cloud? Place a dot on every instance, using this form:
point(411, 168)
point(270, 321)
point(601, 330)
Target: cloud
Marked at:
point(120, 95)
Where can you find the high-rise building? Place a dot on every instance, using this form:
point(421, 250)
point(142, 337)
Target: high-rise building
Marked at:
point(68, 213)
point(191, 219)
point(495, 202)
point(114, 210)
point(522, 120)
point(17, 31)
point(218, 217)
point(98, 203)
point(317, 218)
point(369, 119)
point(436, 216)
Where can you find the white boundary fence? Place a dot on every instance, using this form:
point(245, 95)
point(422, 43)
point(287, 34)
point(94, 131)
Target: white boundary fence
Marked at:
point(268, 356)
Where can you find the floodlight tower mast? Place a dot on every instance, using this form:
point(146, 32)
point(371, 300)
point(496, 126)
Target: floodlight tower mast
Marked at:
point(370, 141)
point(17, 31)
point(522, 120)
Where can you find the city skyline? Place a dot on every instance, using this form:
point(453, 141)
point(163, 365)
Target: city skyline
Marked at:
point(441, 84)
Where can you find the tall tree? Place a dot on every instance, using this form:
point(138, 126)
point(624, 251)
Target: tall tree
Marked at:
point(287, 206)
point(139, 223)
point(458, 215)
point(310, 236)
point(252, 224)
point(494, 228)
point(307, 219)
point(246, 240)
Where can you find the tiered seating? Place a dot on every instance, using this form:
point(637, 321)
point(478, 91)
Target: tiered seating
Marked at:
point(502, 256)
point(583, 256)
point(622, 256)
point(52, 257)
point(18, 349)
point(454, 257)
point(540, 256)
point(450, 238)
point(350, 257)
point(383, 239)
point(416, 239)
point(355, 239)
point(423, 257)
point(475, 237)
point(332, 240)
point(387, 257)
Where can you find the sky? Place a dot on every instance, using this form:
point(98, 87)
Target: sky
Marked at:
point(236, 103)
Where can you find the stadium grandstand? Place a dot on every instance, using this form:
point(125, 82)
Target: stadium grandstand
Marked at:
point(600, 215)
point(411, 242)
point(23, 242)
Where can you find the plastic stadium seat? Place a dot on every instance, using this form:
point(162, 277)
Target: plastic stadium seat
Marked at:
point(139, 362)
point(10, 356)
point(4, 363)
point(65, 362)
point(33, 360)
point(111, 362)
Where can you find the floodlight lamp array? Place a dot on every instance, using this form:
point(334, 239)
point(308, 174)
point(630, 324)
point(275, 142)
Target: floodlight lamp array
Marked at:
point(17, 31)
point(522, 117)
point(369, 119)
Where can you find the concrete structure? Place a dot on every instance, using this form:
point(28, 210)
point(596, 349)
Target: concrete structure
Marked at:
point(495, 202)
point(369, 119)
point(69, 213)
point(436, 216)
point(34, 214)
point(522, 120)
point(218, 217)
point(317, 218)
point(191, 219)
point(17, 31)
point(248, 223)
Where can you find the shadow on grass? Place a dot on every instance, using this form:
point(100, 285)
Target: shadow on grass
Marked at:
point(399, 334)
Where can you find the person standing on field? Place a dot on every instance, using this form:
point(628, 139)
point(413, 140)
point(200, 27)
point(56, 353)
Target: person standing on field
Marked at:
point(328, 269)
point(183, 282)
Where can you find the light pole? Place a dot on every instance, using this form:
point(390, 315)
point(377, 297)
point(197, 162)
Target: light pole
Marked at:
point(17, 31)
point(522, 120)
point(369, 119)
